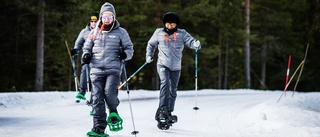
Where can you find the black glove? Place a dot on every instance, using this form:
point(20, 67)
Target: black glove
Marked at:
point(89, 103)
point(73, 52)
point(86, 58)
point(123, 55)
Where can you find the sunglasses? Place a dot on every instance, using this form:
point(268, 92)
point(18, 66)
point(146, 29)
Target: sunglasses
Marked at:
point(107, 17)
point(93, 21)
point(171, 24)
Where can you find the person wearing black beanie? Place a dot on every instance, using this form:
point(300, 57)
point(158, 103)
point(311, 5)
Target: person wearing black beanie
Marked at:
point(170, 42)
point(170, 17)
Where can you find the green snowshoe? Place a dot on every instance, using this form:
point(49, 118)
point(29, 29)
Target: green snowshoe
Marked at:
point(80, 96)
point(94, 134)
point(114, 122)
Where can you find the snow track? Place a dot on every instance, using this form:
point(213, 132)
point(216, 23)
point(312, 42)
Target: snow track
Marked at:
point(222, 113)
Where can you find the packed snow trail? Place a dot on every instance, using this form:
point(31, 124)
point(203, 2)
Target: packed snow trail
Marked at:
point(222, 113)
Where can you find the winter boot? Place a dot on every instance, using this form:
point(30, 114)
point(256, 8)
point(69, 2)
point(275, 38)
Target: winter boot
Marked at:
point(163, 118)
point(114, 122)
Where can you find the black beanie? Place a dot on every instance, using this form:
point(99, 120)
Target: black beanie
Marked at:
point(170, 17)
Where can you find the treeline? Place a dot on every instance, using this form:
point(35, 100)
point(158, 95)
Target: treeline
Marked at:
point(278, 28)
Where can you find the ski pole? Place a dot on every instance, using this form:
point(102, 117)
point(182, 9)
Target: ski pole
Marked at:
point(74, 73)
point(75, 76)
point(134, 132)
point(304, 60)
point(294, 73)
point(132, 75)
point(88, 79)
point(73, 66)
point(69, 53)
point(88, 85)
point(196, 80)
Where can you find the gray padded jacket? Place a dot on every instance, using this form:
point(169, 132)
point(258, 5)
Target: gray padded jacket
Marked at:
point(83, 35)
point(105, 46)
point(170, 47)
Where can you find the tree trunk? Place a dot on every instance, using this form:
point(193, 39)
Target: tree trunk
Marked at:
point(226, 66)
point(40, 47)
point(263, 66)
point(247, 43)
point(220, 71)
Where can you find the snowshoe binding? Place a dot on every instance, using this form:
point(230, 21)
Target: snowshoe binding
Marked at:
point(174, 119)
point(164, 118)
point(114, 122)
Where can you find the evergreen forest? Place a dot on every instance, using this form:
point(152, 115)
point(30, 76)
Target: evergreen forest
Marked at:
point(278, 29)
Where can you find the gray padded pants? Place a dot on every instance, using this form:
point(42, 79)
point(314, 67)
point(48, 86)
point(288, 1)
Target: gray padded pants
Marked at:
point(168, 87)
point(104, 95)
point(83, 79)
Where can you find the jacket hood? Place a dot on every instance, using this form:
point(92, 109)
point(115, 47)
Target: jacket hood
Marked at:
point(107, 7)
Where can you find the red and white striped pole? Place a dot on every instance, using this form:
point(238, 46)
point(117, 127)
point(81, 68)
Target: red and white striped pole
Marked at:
point(287, 76)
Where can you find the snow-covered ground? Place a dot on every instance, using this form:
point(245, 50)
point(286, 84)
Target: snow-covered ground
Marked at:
point(222, 113)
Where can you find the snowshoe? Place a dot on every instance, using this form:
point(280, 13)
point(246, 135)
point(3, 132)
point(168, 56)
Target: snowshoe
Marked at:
point(95, 134)
point(114, 122)
point(164, 118)
point(81, 96)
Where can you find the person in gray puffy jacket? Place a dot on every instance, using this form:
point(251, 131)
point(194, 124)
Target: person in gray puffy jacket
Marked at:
point(105, 49)
point(170, 42)
point(83, 35)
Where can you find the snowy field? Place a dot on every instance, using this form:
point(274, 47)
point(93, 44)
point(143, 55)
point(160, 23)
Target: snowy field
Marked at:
point(222, 113)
